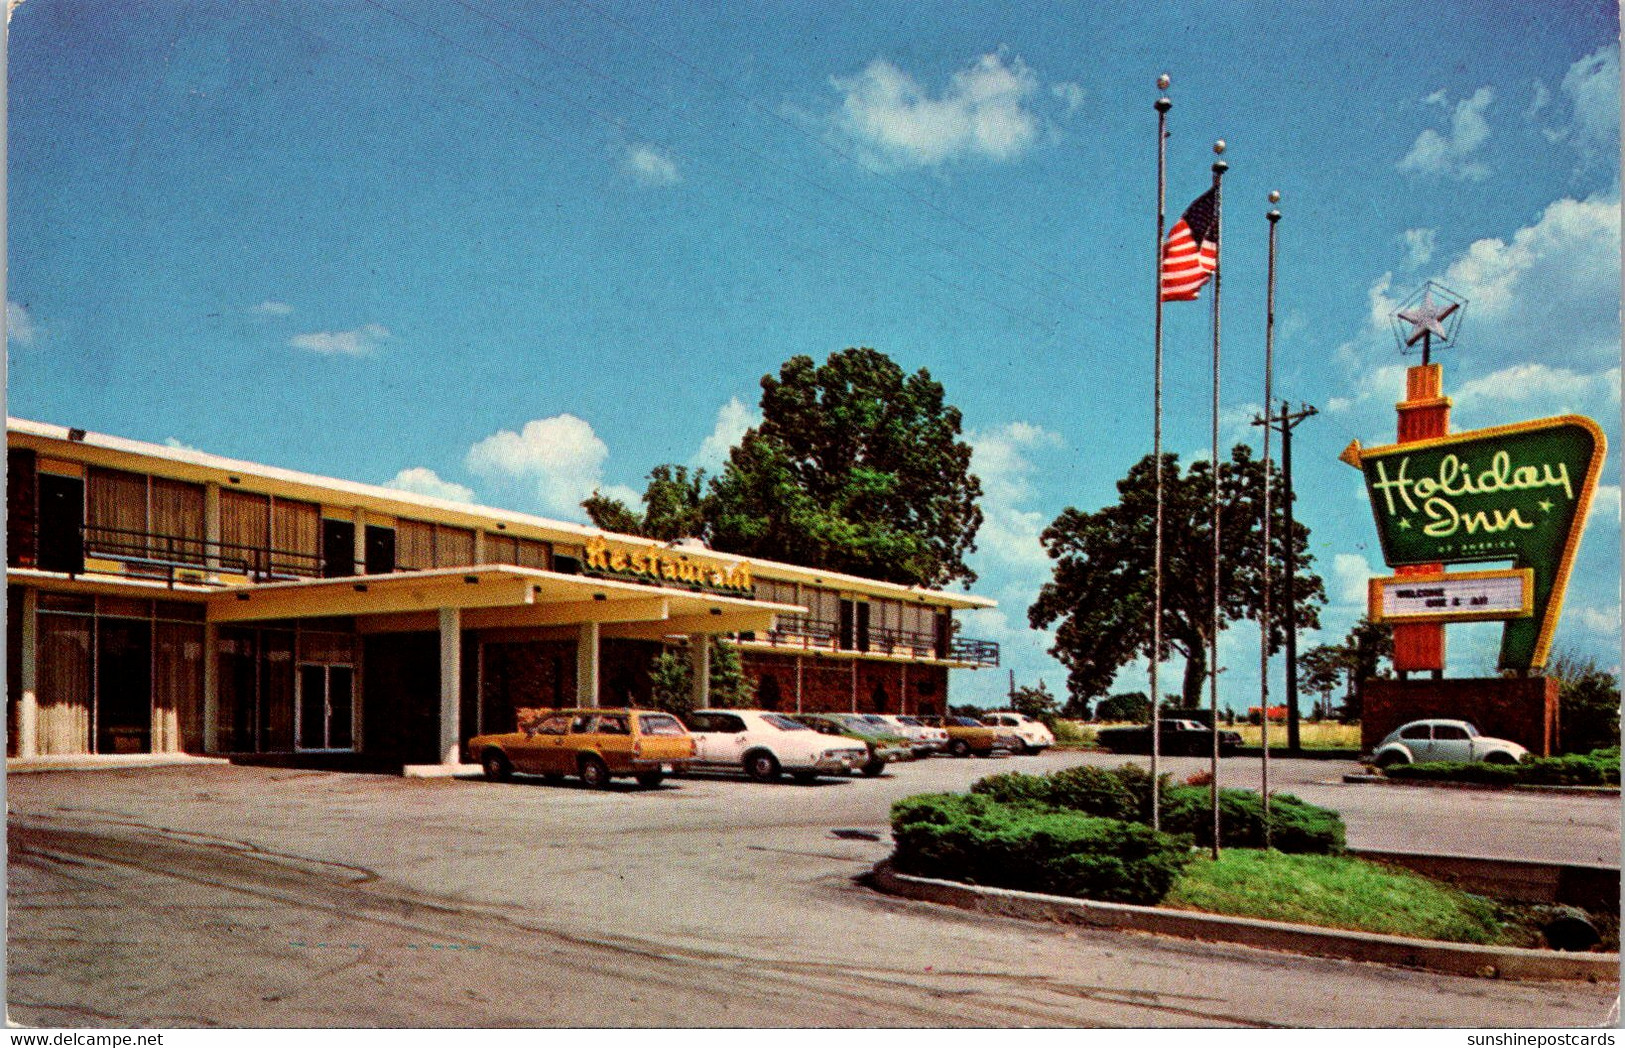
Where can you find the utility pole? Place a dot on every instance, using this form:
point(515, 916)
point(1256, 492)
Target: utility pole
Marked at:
point(1285, 423)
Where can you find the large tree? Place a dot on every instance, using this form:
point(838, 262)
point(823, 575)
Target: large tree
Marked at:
point(673, 507)
point(856, 467)
point(1100, 596)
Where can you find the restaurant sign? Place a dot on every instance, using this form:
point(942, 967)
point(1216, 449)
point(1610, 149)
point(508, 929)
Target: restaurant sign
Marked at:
point(667, 567)
point(1516, 493)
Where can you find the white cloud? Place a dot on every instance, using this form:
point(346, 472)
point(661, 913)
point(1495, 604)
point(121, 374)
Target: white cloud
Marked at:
point(1001, 460)
point(1070, 94)
point(1419, 245)
point(1592, 87)
point(733, 419)
point(424, 481)
point(173, 442)
point(1350, 574)
point(1451, 154)
point(358, 342)
point(20, 327)
point(980, 114)
point(1605, 504)
point(558, 461)
point(1557, 390)
point(1600, 620)
point(270, 308)
point(1541, 98)
point(650, 166)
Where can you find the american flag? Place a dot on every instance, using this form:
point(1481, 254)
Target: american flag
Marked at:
point(1192, 252)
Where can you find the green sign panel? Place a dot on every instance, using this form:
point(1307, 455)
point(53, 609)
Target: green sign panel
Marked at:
point(1512, 493)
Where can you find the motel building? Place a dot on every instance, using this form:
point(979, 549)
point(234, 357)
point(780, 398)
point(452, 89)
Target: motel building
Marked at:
point(167, 601)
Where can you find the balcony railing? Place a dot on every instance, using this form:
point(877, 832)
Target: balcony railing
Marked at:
point(816, 635)
point(163, 556)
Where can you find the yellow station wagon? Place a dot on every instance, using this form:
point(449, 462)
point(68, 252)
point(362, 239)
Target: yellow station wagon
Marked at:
point(594, 744)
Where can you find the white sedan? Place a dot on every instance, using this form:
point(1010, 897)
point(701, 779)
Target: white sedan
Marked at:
point(1034, 736)
point(1443, 740)
point(766, 744)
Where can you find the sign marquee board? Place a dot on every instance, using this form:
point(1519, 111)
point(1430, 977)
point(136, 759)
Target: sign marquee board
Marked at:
point(1463, 597)
point(1516, 493)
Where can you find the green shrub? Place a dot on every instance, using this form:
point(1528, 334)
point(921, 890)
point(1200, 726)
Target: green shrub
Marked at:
point(981, 841)
point(1125, 793)
point(1296, 826)
point(1066, 732)
point(1597, 768)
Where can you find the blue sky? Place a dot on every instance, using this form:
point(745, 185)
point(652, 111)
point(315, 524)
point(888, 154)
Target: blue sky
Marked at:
point(512, 252)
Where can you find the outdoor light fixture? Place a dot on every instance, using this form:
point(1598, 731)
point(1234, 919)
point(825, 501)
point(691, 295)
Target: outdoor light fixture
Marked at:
point(600, 596)
point(472, 580)
point(76, 434)
point(501, 526)
point(242, 596)
point(361, 587)
point(716, 611)
point(235, 480)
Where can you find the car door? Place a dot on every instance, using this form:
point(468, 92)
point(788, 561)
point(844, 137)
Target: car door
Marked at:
point(730, 735)
point(700, 730)
point(537, 751)
point(1418, 738)
point(1451, 742)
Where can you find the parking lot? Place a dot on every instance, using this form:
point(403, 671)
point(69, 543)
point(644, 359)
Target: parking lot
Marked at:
point(282, 897)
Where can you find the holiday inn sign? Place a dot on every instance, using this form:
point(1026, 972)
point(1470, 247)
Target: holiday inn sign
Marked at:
point(1516, 493)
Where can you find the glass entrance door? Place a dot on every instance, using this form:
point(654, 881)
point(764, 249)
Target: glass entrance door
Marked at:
point(326, 707)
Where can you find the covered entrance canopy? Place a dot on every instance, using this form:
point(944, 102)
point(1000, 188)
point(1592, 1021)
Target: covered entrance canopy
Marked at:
point(503, 597)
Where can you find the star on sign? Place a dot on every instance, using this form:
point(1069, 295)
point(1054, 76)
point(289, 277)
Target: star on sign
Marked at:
point(1427, 317)
point(1402, 524)
point(1545, 505)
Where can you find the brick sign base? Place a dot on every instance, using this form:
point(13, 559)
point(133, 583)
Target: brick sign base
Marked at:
point(1523, 710)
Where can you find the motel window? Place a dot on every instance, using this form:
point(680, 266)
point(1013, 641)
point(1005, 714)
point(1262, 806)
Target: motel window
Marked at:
point(22, 507)
point(420, 545)
point(132, 515)
point(511, 549)
point(265, 536)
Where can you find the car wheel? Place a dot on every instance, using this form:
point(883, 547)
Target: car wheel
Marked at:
point(1391, 759)
point(496, 766)
point(594, 772)
point(805, 778)
point(874, 767)
point(762, 766)
point(650, 779)
point(959, 748)
point(1499, 757)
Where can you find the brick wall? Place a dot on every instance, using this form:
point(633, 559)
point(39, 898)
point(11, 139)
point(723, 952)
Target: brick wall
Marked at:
point(827, 684)
point(1523, 710)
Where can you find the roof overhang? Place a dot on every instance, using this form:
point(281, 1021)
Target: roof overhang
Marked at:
point(501, 596)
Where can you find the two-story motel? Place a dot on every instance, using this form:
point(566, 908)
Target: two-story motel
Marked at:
point(163, 600)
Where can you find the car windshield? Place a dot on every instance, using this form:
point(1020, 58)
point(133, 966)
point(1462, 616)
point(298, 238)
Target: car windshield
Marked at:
point(783, 723)
point(910, 721)
point(659, 724)
point(965, 722)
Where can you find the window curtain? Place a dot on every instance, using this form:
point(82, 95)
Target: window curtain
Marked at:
point(177, 688)
point(177, 516)
point(65, 660)
point(115, 511)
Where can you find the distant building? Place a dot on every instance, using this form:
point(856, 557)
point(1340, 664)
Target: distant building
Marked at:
point(166, 600)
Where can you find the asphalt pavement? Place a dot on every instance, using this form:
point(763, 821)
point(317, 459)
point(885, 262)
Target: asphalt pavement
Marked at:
point(238, 896)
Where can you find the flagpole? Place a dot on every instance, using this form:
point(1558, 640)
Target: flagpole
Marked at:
point(1163, 105)
point(1219, 168)
point(1264, 615)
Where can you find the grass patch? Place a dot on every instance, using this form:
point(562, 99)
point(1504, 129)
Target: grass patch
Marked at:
point(1312, 735)
point(1336, 891)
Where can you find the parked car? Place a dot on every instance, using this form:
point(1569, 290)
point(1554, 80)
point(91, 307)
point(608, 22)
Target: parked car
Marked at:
point(884, 748)
point(1443, 740)
point(593, 744)
point(1035, 736)
point(1186, 738)
point(921, 740)
point(967, 736)
point(765, 744)
point(935, 735)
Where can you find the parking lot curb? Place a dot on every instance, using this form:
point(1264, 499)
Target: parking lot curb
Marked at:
point(1576, 791)
point(105, 762)
point(1450, 958)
